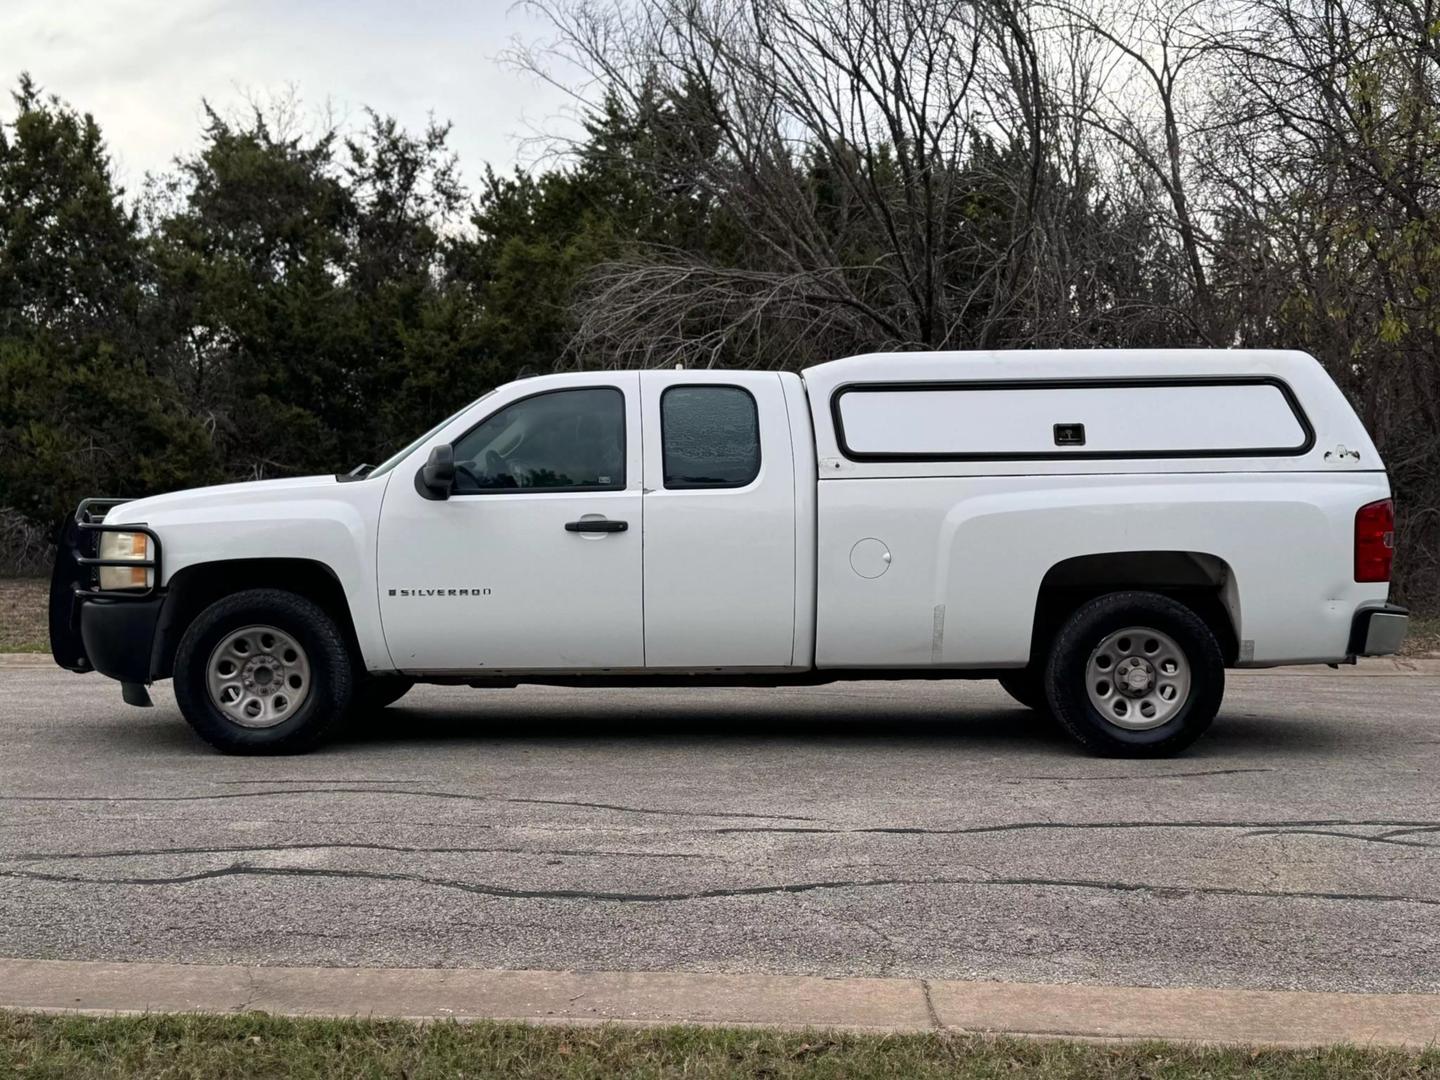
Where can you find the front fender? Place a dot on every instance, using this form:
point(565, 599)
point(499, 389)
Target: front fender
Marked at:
point(320, 521)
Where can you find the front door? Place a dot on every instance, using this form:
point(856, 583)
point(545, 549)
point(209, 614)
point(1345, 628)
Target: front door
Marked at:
point(534, 562)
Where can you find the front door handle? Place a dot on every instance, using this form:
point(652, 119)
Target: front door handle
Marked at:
point(596, 525)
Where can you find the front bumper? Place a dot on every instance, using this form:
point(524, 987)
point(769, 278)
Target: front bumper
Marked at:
point(119, 636)
point(92, 629)
point(1378, 631)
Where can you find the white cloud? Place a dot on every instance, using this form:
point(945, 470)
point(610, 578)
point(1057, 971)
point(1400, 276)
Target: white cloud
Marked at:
point(143, 68)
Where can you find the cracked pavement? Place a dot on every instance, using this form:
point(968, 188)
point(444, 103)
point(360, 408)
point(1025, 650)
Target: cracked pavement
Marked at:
point(922, 829)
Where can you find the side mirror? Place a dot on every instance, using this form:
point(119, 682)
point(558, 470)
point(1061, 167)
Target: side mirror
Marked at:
point(437, 476)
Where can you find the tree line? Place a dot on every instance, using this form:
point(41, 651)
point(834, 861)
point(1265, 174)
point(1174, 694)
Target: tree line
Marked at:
point(758, 183)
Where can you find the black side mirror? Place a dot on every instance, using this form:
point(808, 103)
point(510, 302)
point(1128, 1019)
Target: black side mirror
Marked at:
point(437, 476)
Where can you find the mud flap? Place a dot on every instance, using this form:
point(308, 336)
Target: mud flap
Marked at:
point(135, 693)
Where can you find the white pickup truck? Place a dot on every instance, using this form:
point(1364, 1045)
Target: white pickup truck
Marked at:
point(1104, 532)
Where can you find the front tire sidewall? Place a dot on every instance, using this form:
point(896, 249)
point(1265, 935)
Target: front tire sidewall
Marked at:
point(330, 666)
point(1066, 674)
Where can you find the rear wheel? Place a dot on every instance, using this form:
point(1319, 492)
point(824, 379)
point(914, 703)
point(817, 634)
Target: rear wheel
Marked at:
point(263, 672)
point(1135, 674)
point(1026, 687)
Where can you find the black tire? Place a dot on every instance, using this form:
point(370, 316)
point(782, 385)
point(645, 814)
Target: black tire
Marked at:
point(329, 670)
point(376, 692)
point(1026, 687)
point(1067, 675)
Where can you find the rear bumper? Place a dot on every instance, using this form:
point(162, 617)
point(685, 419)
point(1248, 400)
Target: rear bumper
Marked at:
point(1378, 631)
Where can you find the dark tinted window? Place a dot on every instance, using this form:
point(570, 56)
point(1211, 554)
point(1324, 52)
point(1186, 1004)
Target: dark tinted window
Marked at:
point(564, 439)
point(710, 436)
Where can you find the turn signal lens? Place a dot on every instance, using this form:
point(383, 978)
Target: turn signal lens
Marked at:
point(1374, 541)
point(125, 545)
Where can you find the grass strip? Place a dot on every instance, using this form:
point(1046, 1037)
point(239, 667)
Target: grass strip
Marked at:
point(258, 1045)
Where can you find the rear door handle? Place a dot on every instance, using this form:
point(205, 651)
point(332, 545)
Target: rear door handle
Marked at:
point(593, 525)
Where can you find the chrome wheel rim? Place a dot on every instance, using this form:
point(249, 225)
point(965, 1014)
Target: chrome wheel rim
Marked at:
point(258, 676)
point(1138, 678)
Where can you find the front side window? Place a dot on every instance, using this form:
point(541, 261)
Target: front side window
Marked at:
point(710, 436)
point(564, 439)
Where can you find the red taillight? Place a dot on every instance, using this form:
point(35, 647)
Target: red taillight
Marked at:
point(1374, 541)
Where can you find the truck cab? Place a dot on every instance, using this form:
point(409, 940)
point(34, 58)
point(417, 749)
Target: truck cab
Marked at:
point(955, 515)
point(606, 522)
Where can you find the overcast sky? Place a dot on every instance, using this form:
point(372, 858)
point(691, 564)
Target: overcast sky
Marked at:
point(143, 66)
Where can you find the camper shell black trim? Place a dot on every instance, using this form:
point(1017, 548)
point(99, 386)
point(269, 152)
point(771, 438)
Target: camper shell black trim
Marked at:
point(1119, 383)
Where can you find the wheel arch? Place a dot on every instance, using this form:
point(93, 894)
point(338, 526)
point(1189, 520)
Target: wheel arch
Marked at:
point(1202, 581)
point(194, 588)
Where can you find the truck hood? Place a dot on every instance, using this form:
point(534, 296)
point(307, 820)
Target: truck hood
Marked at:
point(230, 496)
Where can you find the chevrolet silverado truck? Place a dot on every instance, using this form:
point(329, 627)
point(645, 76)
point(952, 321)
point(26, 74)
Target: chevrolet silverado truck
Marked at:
point(1104, 532)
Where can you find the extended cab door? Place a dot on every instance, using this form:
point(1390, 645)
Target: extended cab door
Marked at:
point(720, 552)
point(534, 561)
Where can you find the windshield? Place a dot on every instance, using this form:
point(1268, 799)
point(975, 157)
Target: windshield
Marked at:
point(390, 462)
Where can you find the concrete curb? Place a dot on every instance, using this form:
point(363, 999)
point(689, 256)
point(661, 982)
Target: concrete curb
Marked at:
point(1257, 1017)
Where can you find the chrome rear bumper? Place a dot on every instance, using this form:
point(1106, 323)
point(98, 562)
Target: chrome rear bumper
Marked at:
point(1378, 631)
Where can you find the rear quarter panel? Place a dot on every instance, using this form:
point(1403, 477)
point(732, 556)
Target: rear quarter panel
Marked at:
point(968, 555)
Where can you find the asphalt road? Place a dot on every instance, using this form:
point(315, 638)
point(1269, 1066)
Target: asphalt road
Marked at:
point(920, 829)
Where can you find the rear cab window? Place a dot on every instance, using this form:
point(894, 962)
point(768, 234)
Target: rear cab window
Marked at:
point(710, 437)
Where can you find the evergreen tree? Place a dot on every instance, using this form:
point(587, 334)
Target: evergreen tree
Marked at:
point(82, 407)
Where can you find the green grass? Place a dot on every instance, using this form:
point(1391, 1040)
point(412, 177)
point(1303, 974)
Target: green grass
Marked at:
point(257, 1045)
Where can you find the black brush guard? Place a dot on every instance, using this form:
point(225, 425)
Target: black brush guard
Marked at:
point(75, 580)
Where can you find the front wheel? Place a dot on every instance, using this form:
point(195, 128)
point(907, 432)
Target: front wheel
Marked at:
point(1135, 674)
point(263, 672)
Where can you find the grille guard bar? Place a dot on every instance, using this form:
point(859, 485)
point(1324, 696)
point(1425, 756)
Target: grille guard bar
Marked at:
point(75, 577)
point(89, 518)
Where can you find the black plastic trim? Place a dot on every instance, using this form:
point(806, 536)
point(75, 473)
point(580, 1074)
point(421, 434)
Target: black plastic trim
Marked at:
point(135, 694)
point(424, 491)
point(66, 647)
point(1116, 383)
point(691, 486)
point(119, 635)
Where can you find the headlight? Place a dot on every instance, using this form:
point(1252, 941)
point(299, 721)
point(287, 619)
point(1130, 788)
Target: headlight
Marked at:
point(125, 545)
